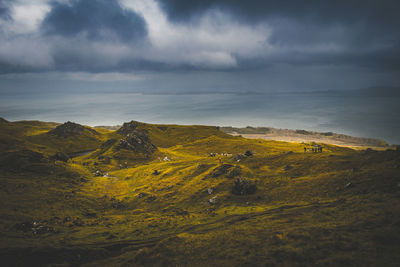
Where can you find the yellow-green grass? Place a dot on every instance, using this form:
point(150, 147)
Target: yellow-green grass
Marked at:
point(339, 207)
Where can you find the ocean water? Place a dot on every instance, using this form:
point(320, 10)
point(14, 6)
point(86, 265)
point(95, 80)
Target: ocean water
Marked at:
point(357, 115)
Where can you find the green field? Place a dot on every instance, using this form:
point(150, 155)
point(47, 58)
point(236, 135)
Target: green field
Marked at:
point(171, 195)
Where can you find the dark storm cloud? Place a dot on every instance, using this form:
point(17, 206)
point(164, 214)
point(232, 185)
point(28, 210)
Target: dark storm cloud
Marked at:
point(99, 19)
point(4, 9)
point(201, 35)
point(364, 33)
point(383, 12)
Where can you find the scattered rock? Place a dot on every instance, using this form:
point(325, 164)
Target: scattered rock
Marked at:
point(98, 173)
point(349, 185)
point(42, 229)
point(220, 170)
point(239, 157)
point(213, 200)
point(35, 228)
point(248, 153)
point(210, 191)
point(243, 187)
point(156, 172)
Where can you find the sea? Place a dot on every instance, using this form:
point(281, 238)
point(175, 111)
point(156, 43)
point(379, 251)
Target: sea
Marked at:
point(373, 116)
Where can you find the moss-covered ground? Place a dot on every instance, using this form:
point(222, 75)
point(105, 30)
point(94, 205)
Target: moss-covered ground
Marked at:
point(340, 207)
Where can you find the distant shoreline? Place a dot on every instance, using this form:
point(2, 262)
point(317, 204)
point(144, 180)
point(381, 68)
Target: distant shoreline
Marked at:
point(303, 136)
point(298, 136)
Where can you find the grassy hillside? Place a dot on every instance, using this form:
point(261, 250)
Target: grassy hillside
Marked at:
point(157, 195)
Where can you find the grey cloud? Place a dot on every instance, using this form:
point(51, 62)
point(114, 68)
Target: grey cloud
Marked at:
point(99, 19)
point(377, 12)
point(364, 33)
point(5, 9)
point(101, 36)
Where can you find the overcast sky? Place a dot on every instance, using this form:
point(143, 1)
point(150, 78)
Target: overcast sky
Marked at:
point(199, 44)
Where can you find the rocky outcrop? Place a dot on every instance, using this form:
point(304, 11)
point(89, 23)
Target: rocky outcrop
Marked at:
point(138, 142)
point(129, 127)
point(221, 170)
point(71, 129)
point(135, 139)
point(228, 170)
